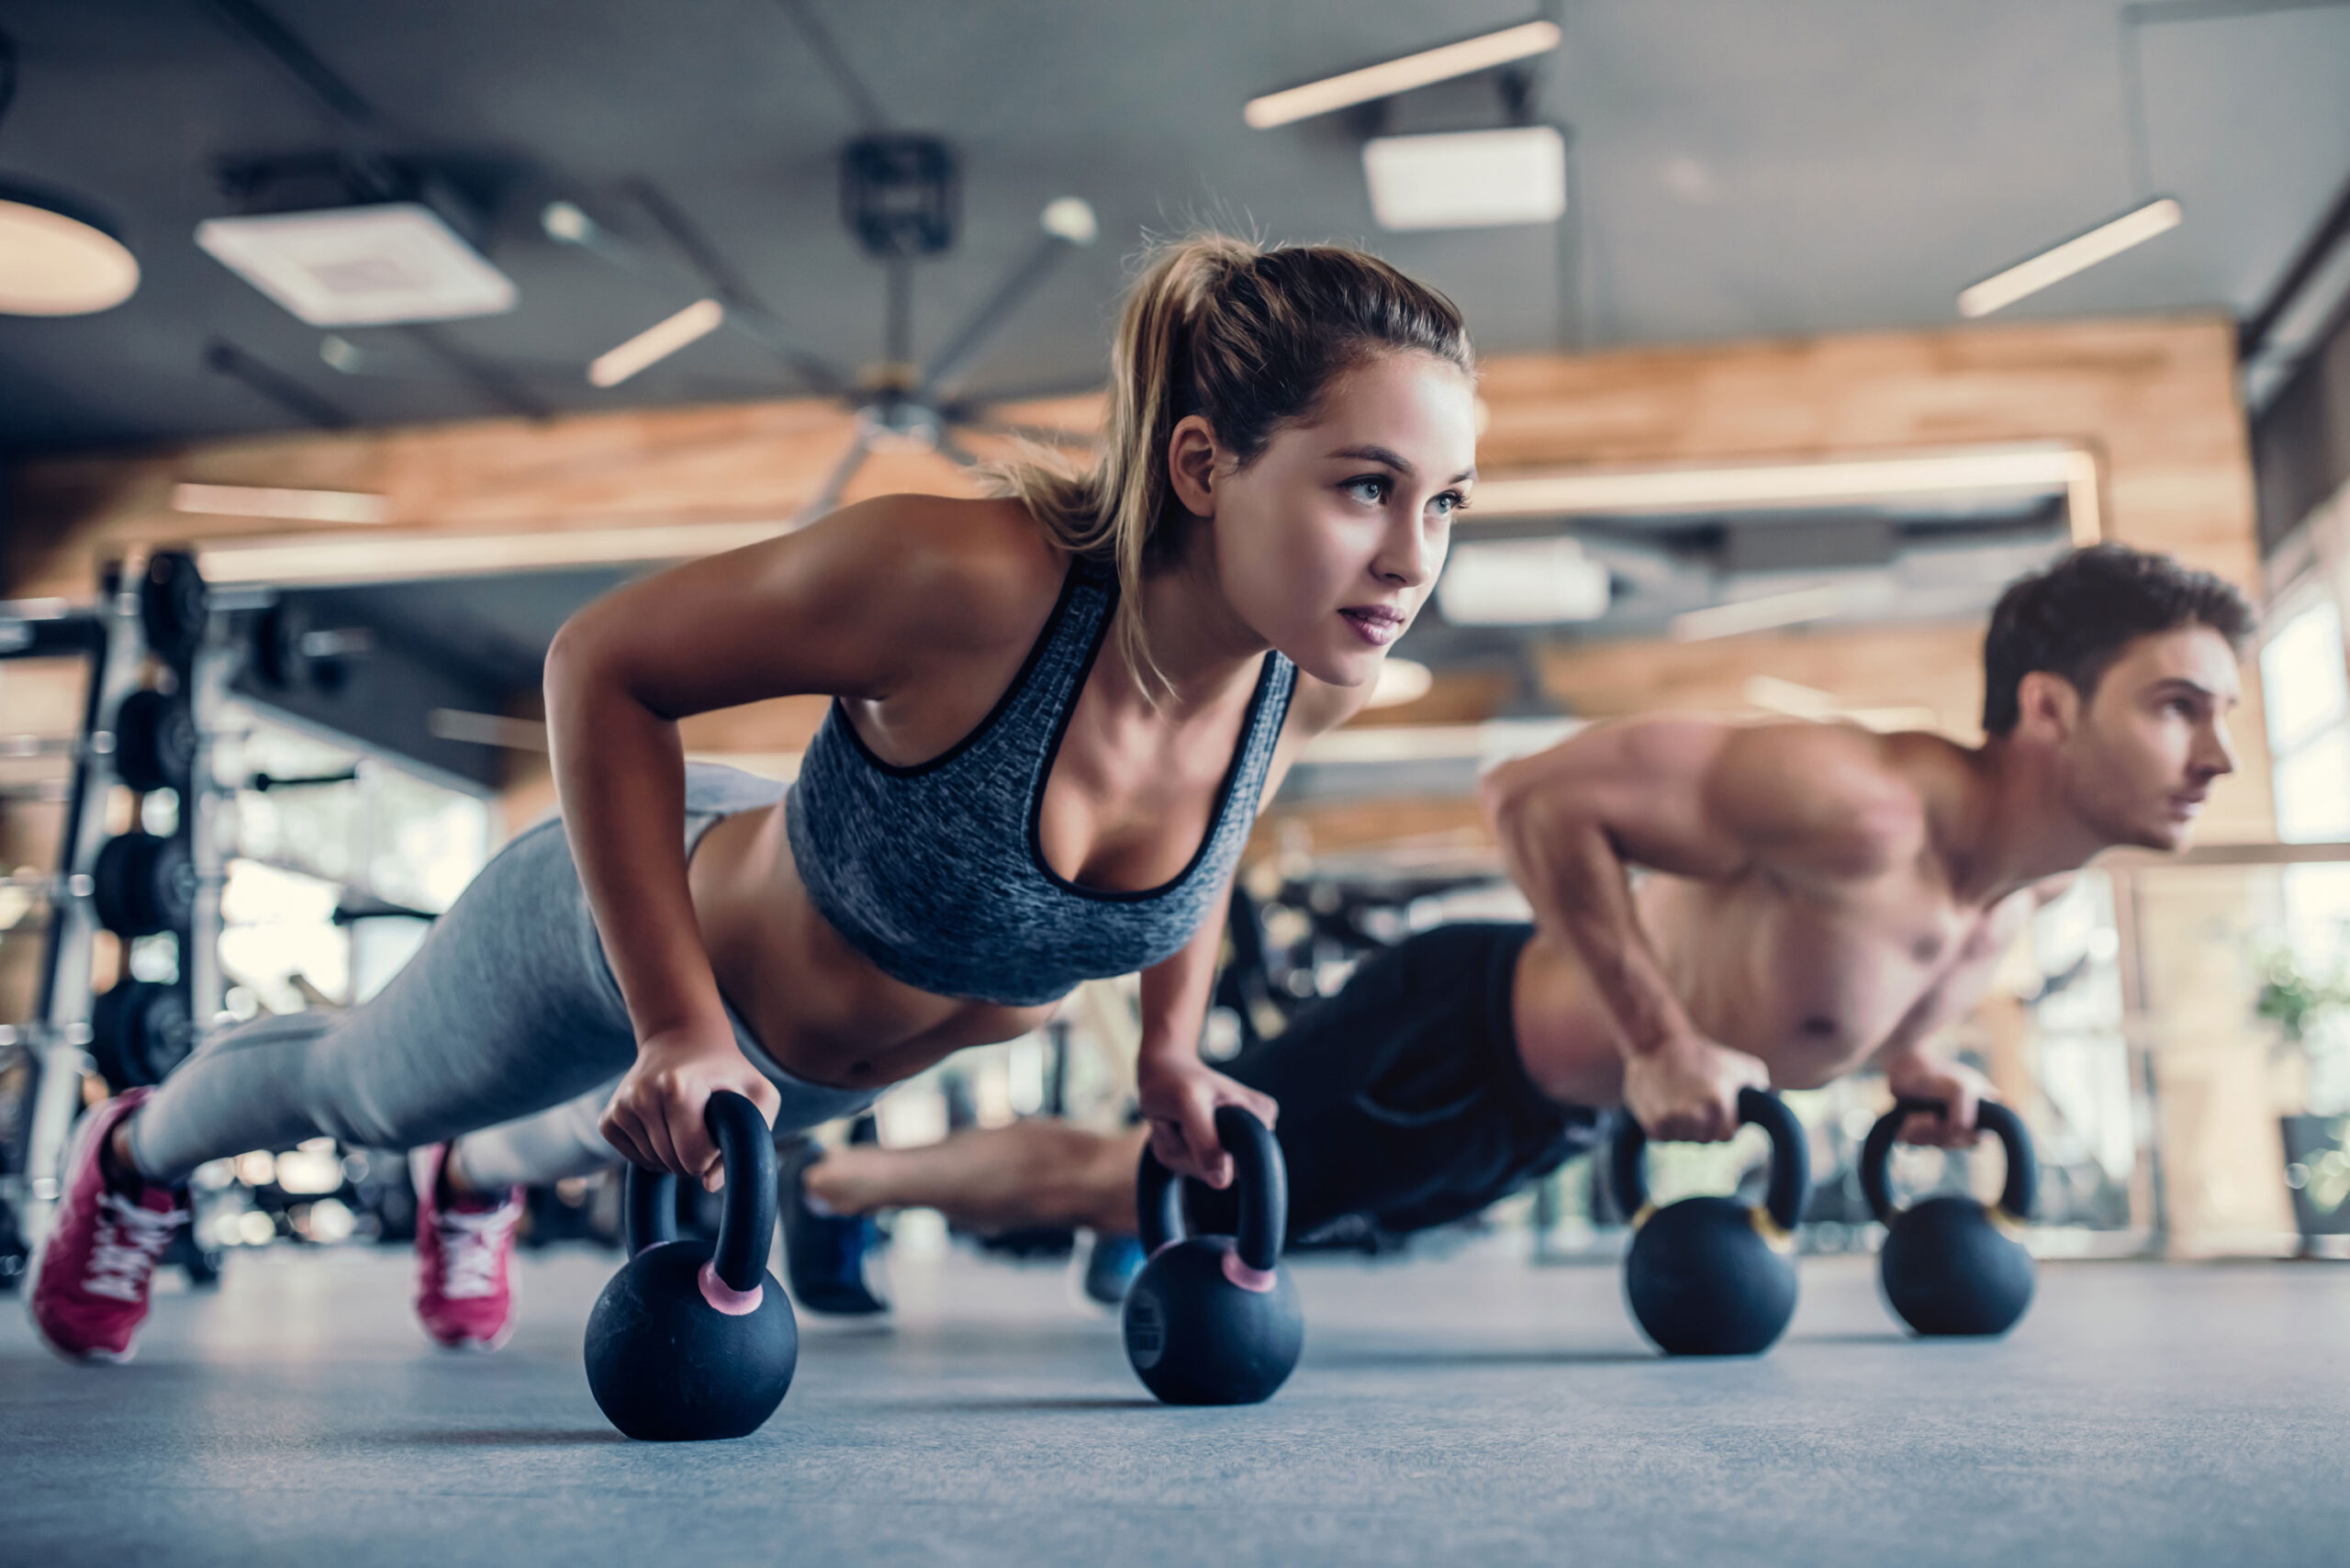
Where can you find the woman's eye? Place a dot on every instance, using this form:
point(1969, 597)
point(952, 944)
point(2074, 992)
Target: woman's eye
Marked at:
point(1371, 487)
point(1451, 503)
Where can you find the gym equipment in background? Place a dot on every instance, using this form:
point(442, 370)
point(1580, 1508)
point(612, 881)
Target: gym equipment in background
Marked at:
point(1711, 1276)
point(1953, 1264)
point(691, 1341)
point(1212, 1319)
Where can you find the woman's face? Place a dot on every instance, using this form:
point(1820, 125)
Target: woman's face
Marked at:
point(1328, 544)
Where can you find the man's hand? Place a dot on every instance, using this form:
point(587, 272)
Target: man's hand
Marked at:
point(1960, 1089)
point(655, 1114)
point(1685, 1091)
point(1179, 1099)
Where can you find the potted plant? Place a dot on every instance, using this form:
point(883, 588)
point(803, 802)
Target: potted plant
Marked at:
point(2300, 1003)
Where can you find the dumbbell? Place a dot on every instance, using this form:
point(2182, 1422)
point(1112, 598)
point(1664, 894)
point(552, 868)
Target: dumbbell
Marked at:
point(1952, 1264)
point(1711, 1276)
point(139, 1031)
point(290, 654)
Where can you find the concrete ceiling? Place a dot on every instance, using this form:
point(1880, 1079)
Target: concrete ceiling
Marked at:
point(1739, 170)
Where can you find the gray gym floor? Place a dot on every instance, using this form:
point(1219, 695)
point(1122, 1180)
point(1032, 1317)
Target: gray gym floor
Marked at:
point(1471, 1410)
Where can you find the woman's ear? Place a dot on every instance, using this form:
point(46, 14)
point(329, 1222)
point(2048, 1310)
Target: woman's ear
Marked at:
point(1191, 465)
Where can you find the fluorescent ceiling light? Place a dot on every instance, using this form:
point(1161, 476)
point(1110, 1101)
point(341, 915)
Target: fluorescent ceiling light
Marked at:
point(1400, 681)
point(657, 342)
point(1521, 582)
point(360, 267)
point(2101, 243)
point(1480, 53)
point(1469, 179)
point(58, 262)
point(305, 506)
point(418, 555)
point(1761, 614)
point(1763, 486)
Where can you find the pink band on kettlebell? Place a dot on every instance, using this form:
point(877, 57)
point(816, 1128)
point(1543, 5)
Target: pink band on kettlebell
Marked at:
point(1248, 1279)
point(725, 1297)
point(1171, 1241)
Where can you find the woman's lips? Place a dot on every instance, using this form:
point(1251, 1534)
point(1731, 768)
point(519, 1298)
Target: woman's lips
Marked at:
point(1374, 624)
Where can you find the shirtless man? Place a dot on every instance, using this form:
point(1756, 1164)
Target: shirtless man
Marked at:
point(1819, 898)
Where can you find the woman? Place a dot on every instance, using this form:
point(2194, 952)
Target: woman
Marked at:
point(1057, 713)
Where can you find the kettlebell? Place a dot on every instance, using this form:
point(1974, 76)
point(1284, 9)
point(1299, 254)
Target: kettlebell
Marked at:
point(691, 1342)
point(1710, 1276)
point(1953, 1264)
point(1212, 1319)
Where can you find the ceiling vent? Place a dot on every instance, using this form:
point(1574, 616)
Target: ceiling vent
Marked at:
point(345, 242)
point(1467, 179)
point(360, 267)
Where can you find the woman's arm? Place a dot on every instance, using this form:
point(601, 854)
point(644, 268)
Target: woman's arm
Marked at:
point(1178, 1092)
point(859, 605)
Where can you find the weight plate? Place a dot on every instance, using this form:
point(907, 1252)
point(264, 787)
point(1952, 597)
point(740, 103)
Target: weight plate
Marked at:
point(142, 884)
point(174, 604)
point(154, 742)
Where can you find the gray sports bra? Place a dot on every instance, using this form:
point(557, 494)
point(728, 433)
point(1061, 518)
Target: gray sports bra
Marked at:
point(933, 872)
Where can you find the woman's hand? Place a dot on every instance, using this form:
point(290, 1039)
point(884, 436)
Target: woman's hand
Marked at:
point(655, 1114)
point(1180, 1097)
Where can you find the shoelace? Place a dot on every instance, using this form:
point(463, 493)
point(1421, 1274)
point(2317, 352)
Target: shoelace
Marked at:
point(129, 1243)
point(472, 1245)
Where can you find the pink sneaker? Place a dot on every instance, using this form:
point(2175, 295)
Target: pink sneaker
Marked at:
point(90, 1285)
point(465, 1295)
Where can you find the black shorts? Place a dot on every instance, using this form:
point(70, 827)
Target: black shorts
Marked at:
point(1402, 1101)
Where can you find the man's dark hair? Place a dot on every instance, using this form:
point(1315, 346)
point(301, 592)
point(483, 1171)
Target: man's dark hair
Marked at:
point(2075, 618)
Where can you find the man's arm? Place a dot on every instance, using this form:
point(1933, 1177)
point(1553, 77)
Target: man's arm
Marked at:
point(1811, 803)
point(1912, 1069)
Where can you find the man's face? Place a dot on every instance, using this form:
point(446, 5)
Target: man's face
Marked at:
point(2141, 756)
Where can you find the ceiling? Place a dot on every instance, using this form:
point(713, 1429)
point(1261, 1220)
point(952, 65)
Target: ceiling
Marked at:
point(1739, 169)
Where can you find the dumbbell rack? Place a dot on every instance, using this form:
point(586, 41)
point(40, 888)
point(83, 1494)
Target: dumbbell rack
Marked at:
point(148, 605)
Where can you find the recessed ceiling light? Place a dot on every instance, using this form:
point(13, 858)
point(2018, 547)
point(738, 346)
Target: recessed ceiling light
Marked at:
point(56, 260)
point(1384, 81)
point(1467, 179)
point(1521, 582)
point(2101, 243)
point(360, 267)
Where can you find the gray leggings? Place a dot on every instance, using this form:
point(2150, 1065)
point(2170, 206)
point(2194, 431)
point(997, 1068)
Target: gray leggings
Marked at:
point(506, 1027)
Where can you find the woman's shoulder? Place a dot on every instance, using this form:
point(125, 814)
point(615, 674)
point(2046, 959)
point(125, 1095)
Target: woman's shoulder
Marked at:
point(979, 570)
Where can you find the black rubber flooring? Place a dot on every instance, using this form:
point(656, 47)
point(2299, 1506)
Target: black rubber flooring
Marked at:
point(1471, 1410)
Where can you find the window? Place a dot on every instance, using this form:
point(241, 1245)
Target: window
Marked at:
point(2307, 694)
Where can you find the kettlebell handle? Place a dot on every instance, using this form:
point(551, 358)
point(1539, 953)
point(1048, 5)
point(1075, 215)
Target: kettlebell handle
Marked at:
point(746, 1225)
point(1258, 1171)
point(2016, 1197)
point(1790, 1158)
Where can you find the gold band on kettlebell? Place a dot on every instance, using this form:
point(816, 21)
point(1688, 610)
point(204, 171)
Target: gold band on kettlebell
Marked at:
point(1641, 1218)
point(2010, 1226)
point(1776, 1237)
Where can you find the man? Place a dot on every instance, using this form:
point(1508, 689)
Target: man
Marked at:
point(1819, 898)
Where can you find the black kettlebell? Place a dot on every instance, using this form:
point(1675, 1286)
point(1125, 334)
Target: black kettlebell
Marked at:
point(1212, 1319)
point(1710, 1276)
point(1953, 1264)
point(691, 1342)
